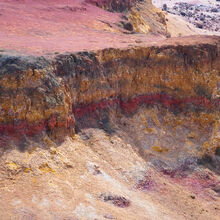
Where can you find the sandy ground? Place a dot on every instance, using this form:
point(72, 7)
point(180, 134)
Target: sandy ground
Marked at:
point(102, 176)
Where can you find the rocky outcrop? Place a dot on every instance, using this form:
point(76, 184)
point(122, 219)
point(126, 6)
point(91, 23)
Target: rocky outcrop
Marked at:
point(138, 15)
point(114, 5)
point(48, 95)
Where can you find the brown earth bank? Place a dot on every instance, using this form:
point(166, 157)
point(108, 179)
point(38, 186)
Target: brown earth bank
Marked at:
point(117, 131)
point(41, 94)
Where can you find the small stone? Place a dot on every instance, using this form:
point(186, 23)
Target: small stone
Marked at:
point(214, 10)
point(217, 151)
point(128, 26)
point(202, 18)
point(183, 13)
point(216, 189)
point(199, 25)
point(109, 216)
point(164, 8)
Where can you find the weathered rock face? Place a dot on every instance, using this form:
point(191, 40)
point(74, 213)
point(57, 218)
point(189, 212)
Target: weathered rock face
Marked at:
point(114, 5)
point(139, 15)
point(48, 95)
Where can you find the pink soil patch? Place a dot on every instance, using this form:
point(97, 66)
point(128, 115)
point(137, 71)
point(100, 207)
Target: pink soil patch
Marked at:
point(46, 27)
point(199, 180)
point(40, 27)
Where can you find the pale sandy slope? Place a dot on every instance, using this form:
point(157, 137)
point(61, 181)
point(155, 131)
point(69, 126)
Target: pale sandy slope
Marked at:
point(78, 180)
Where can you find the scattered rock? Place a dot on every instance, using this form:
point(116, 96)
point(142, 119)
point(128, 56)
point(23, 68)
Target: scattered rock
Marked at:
point(183, 13)
point(164, 7)
point(217, 189)
point(118, 201)
point(146, 183)
point(199, 25)
point(109, 216)
point(85, 136)
point(127, 26)
point(214, 10)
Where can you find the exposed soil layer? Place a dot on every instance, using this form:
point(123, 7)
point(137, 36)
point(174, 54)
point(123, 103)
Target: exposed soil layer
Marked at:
point(46, 94)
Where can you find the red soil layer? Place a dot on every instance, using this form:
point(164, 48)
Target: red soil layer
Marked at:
point(20, 129)
point(131, 105)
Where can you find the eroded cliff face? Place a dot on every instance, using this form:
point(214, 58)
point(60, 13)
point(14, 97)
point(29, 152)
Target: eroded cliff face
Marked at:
point(112, 134)
point(54, 95)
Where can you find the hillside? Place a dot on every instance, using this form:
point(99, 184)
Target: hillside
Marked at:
point(105, 115)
